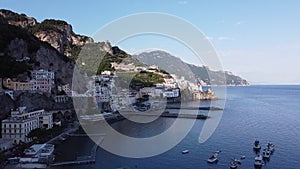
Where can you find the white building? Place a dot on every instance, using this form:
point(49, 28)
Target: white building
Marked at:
point(171, 93)
point(18, 129)
point(38, 153)
point(42, 74)
point(102, 94)
point(122, 66)
point(22, 122)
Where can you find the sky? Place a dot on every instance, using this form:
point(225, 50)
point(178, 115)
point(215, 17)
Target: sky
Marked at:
point(257, 40)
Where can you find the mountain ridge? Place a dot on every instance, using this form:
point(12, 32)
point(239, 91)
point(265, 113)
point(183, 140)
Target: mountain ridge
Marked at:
point(191, 72)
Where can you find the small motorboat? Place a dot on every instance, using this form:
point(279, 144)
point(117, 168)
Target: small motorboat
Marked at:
point(214, 157)
point(243, 157)
point(185, 151)
point(234, 163)
point(258, 161)
point(271, 147)
point(256, 145)
point(266, 154)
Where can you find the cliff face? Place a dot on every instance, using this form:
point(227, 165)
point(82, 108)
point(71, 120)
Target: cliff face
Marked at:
point(34, 101)
point(15, 19)
point(59, 35)
point(6, 105)
point(17, 43)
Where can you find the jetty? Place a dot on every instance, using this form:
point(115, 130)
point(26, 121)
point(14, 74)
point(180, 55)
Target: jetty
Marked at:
point(169, 115)
point(193, 108)
point(75, 162)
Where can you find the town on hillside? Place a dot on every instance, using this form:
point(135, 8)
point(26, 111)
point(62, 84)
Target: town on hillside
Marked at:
point(21, 130)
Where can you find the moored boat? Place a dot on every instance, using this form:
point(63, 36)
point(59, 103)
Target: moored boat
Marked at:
point(270, 147)
point(214, 157)
point(266, 154)
point(258, 161)
point(234, 163)
point(256, 145)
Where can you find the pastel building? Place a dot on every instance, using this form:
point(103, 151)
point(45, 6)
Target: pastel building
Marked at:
point(44, 80)
point(17, 85)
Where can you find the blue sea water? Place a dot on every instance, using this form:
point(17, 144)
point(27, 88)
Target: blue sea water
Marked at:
point(267, 113)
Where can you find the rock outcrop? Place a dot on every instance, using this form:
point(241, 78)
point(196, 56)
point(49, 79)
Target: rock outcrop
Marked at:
point(20, 20)
point(6, 105)
point(60, 35)
point(34, 101)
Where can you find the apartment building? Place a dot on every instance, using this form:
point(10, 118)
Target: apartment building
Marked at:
point(22, 122)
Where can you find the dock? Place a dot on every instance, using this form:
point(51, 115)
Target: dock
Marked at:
point(75, 162)
point(169, 115)
point(194, 108)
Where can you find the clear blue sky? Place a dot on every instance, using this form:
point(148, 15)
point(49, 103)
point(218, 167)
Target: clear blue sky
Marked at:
point(258, 40)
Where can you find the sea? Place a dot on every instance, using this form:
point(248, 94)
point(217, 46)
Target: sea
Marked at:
point(263, 112)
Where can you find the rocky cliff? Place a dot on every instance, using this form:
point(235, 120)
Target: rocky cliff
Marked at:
point(59, 34)
point(20, 20)
point(21, 52)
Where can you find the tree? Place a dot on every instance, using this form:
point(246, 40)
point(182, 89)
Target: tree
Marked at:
point(36, 134)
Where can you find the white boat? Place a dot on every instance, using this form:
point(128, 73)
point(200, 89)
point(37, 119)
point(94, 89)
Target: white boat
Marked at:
point(256, 145)
point(234, 163)
point(185, 151)
point(258, 161)
point(214, 157)
point(266, 153)
point(271, 147)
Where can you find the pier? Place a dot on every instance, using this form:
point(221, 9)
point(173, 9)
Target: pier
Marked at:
point(194, 108)
point(169, 115)
point(84, 135)
point(74, 162)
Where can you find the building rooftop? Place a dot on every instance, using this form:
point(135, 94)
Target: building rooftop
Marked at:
point(16, 120)
point(39, 148)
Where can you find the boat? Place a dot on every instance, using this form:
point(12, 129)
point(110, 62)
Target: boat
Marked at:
point(271, 147)
point(256, 145)
point(258, 161)
point(243, 157)
point(234, 163)
point(185, 151)
point(266, 154)
point(214, 157)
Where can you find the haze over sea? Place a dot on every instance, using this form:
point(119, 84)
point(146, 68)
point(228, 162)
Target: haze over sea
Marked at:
point(267, 113)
